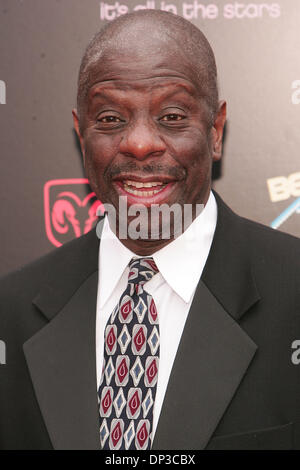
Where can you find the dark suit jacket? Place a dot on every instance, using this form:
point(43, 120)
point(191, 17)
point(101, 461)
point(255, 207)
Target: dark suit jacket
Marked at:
point(233, 384)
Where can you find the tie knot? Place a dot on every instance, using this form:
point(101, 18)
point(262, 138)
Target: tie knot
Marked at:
point(141, 270)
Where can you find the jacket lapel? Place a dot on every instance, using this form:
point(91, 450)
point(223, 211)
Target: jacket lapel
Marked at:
point(61, 357)
point(62, 362)
point(213, 356)
point(228, 272)
point(214, 352)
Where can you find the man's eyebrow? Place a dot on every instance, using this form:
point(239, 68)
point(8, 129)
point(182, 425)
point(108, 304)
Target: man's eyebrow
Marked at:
point(101, 94)
point(190, 89)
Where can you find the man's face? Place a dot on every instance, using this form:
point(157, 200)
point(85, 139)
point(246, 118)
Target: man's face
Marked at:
point(146, 130)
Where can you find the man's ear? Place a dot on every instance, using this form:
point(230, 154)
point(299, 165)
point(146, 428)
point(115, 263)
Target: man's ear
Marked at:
point(218, 129)
point(77, 130)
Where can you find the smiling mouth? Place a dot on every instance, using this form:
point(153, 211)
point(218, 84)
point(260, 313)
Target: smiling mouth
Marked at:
point(139, 189)
point(150, 191)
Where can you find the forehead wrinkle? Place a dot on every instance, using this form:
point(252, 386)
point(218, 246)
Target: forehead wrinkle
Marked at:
point(110, 85)
point(131, 65)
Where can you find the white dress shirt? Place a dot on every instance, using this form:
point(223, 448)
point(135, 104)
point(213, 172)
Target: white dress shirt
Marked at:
point(180, 265)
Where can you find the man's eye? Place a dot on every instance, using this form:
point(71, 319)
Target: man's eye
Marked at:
point(109, 119)
point(172, 117)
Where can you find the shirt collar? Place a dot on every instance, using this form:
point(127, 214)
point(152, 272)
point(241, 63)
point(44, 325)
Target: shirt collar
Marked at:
point(113, 260)
point(181, 262)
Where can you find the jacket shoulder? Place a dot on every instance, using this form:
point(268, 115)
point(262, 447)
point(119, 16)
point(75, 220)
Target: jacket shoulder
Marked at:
point(265, 232)
point(61, 269)
point(269, 242)
point(256, 237)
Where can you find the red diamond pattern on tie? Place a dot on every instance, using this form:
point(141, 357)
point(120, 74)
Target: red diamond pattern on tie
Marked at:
point(142, 435)
point(106, 401)
point(126, 309)
point(139, 339)
point(131, 356)
point(122, 370)
point(153, 311)
point(111, 339)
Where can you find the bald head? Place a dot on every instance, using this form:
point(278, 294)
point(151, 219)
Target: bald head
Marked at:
point(146, 33)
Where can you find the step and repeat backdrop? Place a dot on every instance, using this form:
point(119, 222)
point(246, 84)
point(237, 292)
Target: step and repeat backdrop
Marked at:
point(45, 197)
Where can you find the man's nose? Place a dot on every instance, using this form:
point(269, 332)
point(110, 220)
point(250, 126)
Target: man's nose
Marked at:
point(142, 140)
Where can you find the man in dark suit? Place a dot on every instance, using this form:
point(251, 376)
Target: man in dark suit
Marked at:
point(150, 125)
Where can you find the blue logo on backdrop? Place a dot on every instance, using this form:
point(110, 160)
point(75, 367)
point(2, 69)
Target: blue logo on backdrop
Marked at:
point(293, 208)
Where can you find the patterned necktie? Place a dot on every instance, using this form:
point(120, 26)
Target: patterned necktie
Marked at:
point(130, 370)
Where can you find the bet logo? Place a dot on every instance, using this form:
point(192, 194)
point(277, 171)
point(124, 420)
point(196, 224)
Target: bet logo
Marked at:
point(282, 187)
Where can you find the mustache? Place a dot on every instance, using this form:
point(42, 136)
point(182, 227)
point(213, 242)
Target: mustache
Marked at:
point(131, 167)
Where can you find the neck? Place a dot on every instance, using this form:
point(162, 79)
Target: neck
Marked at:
point(145, 247)
point(148, 246)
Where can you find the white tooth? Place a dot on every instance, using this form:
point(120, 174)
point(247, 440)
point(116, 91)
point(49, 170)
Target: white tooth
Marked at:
point(131, 191)
point(136, 192)
point(139, 184)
